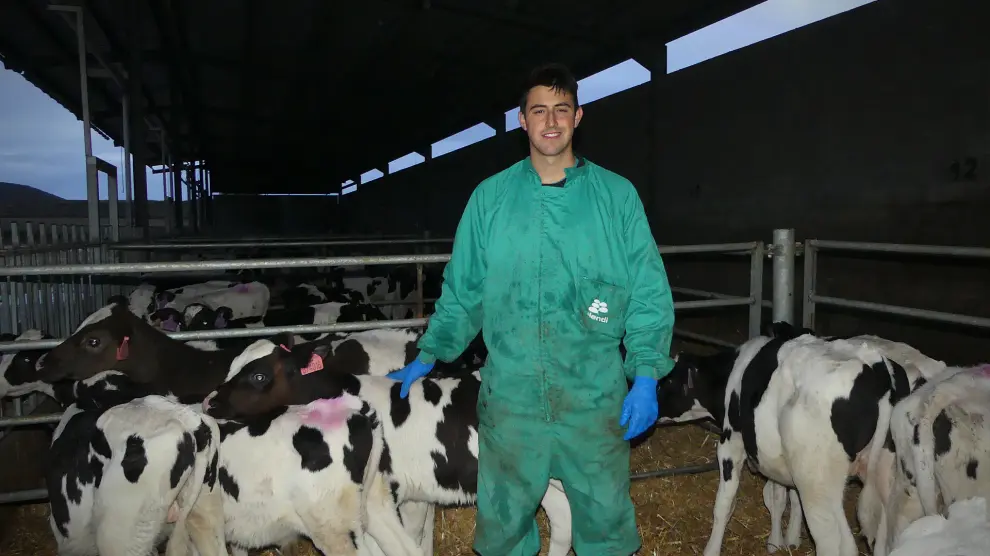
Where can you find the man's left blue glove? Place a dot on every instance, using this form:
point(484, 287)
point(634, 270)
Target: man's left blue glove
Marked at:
point(409, 374)
point(640, 408)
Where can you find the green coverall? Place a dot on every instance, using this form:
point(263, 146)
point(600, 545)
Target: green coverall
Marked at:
point(555, 275)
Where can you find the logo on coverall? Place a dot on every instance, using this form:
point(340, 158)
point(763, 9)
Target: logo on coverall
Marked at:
point(597, 309)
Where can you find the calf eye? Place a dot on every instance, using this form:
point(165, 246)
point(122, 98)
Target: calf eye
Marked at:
point(93, 342)
point(259, 377)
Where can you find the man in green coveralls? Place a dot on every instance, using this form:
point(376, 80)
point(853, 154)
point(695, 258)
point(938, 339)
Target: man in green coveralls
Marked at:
point(554, 259)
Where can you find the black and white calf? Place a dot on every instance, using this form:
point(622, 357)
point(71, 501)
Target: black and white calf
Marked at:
point(805, 412)
point(304, 470)
point(123, 476)
point(431, 440)
point(18, 369)
point(941, 450)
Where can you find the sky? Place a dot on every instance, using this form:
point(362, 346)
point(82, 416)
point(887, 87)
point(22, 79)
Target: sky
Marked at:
point(41, 143)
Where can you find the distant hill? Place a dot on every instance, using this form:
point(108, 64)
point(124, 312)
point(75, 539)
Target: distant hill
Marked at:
point(26, 202)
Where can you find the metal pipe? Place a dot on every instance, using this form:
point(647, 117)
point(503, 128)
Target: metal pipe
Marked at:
point(926, 314)
point(756, 291)
point(234, 245)
point(128, 210)
point(705, 339)
point(419, 287)
point(943, 250)
point(34, 495)
point(674, 471)
point(712, 303)
point(47, 419)
point(783, 275)
point(710, 248)
point(245, 332)
point(244, 264)
point(713, 295)
point(808, 285)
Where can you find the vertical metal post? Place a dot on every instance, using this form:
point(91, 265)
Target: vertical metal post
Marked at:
point(93, 197)
point(128, 184)
point(808, 285)
point(756, 290)
point(92, 185)
point(113, 209)
point(783, 275)
point(420, 298)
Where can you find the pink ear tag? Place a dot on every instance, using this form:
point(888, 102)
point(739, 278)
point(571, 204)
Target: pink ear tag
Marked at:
point(315, 364)
point(285, 348)
point(122, 350)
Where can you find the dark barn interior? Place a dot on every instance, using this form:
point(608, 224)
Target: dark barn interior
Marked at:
point(871, 126)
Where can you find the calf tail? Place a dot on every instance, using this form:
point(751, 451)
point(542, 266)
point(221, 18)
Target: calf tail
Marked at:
point(374, 458)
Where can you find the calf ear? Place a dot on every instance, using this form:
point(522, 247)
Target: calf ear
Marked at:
point(284, 339)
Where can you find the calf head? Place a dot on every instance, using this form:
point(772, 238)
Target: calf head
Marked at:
point(200, 317)
point(161, 300)
point(695, 388)
point(18, 369)
point(168, 319)
point(269, 375)
point(112, 338)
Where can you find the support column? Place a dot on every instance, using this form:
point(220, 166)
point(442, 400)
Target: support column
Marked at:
point(783, 275)
point(92, 177)
point(128, 182)
point(194, 197)
point(177, 197)
point(138, 131)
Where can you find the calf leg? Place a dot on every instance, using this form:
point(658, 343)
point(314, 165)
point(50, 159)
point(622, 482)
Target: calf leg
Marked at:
point(794, 520)
point(338, 531)
point(731, 454)
point(388, 535)
point(819, 467)
point(558, 512)
point(775, 499)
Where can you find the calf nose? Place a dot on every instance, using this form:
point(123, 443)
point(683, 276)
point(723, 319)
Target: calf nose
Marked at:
point(206, 402)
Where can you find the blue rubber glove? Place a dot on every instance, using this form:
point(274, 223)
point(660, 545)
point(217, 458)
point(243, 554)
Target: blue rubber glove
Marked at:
point(640, 408)
point(409, 373)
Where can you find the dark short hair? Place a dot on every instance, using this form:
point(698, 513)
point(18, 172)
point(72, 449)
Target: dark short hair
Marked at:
point(554, 76)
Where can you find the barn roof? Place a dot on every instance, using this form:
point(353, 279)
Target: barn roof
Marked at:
point(295, 95)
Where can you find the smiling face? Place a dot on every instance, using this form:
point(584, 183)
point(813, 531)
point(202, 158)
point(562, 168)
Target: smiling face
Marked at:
point(549, 120)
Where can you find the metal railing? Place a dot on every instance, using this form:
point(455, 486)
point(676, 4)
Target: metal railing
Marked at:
point(755, 250)
point(811, 299)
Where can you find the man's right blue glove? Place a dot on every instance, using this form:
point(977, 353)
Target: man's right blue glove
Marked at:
point(409, 373)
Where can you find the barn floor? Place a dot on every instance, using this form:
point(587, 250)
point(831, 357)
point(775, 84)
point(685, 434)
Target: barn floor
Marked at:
point(674, 513)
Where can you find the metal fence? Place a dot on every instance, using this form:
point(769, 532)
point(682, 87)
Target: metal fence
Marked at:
point(76, 275)
point(812, 300)
point(53, 281)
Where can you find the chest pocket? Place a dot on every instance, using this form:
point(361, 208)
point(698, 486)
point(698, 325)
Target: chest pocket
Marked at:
point(603, 307)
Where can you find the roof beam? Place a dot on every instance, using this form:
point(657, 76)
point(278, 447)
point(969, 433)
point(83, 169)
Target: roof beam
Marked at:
point(70, 53)
point(116, 51)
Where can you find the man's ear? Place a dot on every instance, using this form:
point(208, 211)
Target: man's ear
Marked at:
point(578, 114)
